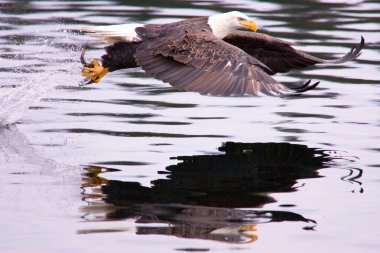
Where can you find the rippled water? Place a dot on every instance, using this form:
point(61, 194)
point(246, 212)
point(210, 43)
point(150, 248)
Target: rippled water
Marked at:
point(90, 169)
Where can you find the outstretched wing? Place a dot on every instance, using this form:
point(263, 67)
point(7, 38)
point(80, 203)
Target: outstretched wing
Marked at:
point(198, 61)
point(279, 55)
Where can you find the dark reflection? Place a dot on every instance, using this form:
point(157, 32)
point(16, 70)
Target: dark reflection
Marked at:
point(132, 134)
point(241, 177)
point(212, 196)
point(304, 115)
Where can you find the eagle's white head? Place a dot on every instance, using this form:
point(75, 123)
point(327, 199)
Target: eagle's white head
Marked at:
point(225, 23)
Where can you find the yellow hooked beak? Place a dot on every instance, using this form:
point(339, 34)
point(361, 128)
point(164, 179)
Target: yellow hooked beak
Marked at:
point(247, 23)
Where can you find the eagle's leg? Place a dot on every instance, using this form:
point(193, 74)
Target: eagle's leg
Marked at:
point(94, 70)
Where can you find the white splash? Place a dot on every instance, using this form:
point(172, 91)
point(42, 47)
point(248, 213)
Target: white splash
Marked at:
point(42, 62)
point(16, 155)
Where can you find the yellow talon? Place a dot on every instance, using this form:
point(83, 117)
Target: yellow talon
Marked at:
point(248, 227)
point(249, 231)
point(96, 64)
point(95, 71)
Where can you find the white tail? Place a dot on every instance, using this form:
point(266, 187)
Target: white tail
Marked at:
point(114, 33)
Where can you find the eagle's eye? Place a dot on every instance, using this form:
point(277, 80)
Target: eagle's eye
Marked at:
point(241, 19)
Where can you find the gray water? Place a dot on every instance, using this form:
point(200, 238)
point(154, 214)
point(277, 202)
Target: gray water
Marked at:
point(133, 165)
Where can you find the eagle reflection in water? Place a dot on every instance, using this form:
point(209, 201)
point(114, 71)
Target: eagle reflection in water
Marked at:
point(213, 196)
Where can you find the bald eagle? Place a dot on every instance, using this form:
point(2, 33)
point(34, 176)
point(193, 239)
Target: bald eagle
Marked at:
point(206, 55)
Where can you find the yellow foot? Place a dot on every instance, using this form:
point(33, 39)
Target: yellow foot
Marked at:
point(248, 228)
point(249, 231)
point(94, 71)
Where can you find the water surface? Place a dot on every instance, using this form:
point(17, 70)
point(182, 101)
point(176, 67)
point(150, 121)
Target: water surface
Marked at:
point(133, 164)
